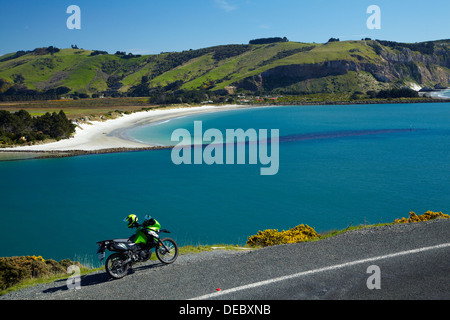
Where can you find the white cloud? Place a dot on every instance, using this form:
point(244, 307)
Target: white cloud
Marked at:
point(225, 5)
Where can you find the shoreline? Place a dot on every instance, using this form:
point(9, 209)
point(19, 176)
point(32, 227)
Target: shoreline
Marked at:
point(438, 94)
point(107, 136)
point(41, 154)
point(100, 137)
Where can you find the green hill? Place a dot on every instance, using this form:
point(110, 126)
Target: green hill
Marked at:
point(275, 67)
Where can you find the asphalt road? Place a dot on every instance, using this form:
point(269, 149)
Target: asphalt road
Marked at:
point(410, 261)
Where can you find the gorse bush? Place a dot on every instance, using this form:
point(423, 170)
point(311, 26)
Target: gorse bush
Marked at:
point(271, 237)
point(429, 215)
point(15, 269)
point(300, 233)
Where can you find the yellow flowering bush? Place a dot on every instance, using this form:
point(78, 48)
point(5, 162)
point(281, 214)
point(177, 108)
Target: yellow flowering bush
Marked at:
point(429, 215)
point(15, 269)
point(33, 257)
point(271, 237)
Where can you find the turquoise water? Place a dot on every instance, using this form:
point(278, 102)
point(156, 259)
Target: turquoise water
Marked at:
point(339, 165)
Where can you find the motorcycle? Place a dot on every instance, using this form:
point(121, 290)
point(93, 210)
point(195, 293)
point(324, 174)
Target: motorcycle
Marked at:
point(137, 248)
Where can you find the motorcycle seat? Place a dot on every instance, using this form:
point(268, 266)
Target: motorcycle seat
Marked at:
point(127, 241)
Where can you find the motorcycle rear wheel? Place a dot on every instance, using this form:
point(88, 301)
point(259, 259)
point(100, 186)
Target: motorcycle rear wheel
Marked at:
point(115, 267)
point(165, 256)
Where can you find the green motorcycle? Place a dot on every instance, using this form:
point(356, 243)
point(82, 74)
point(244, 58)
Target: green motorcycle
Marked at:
point(137, 248)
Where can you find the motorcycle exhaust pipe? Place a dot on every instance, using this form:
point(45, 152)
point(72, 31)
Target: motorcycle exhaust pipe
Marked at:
point(127, 261)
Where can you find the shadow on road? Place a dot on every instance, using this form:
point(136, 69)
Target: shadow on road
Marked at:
point(101, 277)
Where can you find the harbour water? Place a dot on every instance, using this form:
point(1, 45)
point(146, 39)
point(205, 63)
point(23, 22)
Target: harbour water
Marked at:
point(338, 166)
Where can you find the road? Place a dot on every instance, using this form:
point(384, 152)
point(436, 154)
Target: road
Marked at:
point(410, 261)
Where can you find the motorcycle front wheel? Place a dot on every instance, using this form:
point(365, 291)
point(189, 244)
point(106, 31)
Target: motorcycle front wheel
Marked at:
point(167, 250)
point(115, 267)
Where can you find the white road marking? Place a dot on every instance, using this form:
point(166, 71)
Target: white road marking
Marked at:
point(330, 268)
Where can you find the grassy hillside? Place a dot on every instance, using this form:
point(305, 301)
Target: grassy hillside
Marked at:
point(279, 67)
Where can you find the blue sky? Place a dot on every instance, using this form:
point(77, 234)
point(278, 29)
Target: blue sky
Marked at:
point(153, 26)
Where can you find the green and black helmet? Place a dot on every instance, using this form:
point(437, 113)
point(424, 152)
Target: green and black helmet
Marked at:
point(131, 220)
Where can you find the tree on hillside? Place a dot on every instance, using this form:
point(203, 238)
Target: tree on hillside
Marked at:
point(268, 40)
point(18, 78)
point(114, 81)
point(52, 50)
point(397, 93)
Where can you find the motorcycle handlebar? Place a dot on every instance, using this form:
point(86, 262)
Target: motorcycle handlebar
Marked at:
point(137, 225)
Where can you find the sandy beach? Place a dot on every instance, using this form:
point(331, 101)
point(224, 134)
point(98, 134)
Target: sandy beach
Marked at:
point(99, 135)
point(107, 135)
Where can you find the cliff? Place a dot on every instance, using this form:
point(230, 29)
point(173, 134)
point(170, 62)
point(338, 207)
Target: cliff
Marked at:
point(390, 67)
point(281, 67)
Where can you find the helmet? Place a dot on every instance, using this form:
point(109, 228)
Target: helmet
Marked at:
point(131, 220)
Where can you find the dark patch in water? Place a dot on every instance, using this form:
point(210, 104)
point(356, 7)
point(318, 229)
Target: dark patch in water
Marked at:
point(340, 134)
